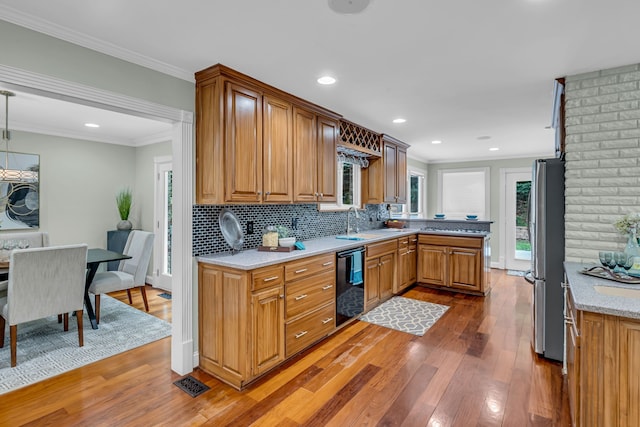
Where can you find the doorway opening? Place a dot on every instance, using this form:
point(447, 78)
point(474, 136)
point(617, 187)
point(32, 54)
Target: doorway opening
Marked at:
point(517, 244)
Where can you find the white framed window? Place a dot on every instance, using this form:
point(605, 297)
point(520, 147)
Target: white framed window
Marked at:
point(464, 192)
point(349, 186)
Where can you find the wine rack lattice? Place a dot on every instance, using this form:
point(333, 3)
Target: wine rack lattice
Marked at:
point(357, 135)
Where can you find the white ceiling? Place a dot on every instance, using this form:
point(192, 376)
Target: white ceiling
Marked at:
point(456, 70)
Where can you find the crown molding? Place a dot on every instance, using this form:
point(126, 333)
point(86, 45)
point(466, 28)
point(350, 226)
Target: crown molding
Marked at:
point(41, 84)
point(54, 30)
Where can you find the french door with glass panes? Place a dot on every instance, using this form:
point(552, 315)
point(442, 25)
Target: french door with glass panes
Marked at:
point(162, 224)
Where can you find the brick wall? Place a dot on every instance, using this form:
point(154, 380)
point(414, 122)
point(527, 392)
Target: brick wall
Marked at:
point(602, 152)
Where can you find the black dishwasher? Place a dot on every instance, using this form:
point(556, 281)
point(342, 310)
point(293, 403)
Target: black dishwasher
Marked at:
point(349, 284)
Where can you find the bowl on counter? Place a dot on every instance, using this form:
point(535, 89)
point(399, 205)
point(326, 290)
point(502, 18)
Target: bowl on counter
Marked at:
point(472, 217)
point(439, 216)
point(286, 242)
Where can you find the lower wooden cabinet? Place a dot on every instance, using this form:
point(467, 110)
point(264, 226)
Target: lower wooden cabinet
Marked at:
point(267, 335)
point(602, 356)
point(407, 263)
point(251, 321)
point(453, 262)
point(379, 272)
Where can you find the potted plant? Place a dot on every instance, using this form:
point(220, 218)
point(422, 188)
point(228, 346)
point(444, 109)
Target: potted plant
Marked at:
point(123, 201)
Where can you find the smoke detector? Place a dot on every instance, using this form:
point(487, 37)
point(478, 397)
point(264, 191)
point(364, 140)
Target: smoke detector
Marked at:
point(348, 6)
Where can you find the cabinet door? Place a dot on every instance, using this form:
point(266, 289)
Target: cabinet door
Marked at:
point(305, 151)
point(432, 264)
point(401, 175)
point(243, 144)
point(223, 316)
point(277, 150)
point(371, 283)
point(209, 154)
point(390, 173)
point(629, 373)
point(465, 268)
point(327, 161)
point(573, 365)
point(387, 276)
point(268, 329)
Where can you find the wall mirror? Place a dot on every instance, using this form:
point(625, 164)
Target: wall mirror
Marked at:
point(19, 191)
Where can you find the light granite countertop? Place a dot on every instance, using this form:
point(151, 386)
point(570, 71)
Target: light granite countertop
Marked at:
point(252, 258)
point(586, 297)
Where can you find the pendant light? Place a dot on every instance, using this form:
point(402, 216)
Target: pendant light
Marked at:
point(7, 174)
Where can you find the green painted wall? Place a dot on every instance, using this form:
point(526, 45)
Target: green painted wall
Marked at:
point(39, 53)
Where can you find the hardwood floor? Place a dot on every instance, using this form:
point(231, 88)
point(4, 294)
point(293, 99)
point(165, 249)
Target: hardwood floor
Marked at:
point(474, 367)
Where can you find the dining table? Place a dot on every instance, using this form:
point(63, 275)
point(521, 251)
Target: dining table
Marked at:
point(95, 257)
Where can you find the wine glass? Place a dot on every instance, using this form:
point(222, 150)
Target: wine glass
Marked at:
point(23, 244)
point(605, 258)
point(620, 259)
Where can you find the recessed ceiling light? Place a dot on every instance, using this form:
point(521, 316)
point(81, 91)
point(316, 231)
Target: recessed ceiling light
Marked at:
point(326, 80)
point(91, 125)
point(398, 120)
point(493, 149)
point(483, 137)
point(348, 6)
point(436, 142)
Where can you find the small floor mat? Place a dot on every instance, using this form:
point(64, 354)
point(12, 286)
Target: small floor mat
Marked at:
point(191, 386)
point(165, 295)
point(406, 315)
point(516, 273)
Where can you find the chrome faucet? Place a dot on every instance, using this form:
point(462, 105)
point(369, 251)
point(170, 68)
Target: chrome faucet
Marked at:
point(355, 211)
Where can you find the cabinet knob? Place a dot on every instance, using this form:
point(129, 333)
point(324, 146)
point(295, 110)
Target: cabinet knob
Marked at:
point(259, 193)
point(315, 194)
point(321, 195)
point(267, 193)
point(281, 296)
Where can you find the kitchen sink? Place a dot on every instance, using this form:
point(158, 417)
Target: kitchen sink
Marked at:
point(618, 292)
point(357, 236)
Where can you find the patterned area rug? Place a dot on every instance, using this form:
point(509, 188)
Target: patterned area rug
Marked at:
point(406, 315)
point(45, 350)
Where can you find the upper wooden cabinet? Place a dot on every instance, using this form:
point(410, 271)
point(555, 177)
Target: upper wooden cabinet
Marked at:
point(256, 143)
point(385, 180)
point(395, 170)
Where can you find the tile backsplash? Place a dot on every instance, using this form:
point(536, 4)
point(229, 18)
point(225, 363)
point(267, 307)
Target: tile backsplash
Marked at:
point(207, 238)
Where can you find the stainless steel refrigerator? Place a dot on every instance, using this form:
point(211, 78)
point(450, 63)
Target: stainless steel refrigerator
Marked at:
point(546, 233)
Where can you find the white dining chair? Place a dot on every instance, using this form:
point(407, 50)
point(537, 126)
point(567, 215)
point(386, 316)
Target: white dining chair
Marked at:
point(43, 282)
point(37, 239)
point(131, 273)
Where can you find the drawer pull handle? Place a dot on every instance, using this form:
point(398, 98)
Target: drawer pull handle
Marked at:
point(302, 270)
point(326, 264)
point(324, 288)
point(325, 321)
point(404, 242)
point(299, 297)
point(269, 279)
point(301, 334)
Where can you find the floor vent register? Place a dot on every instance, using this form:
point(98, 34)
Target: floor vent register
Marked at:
point(191, 386)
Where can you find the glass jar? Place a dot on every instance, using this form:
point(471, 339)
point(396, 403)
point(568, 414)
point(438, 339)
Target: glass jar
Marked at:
point(270, 236)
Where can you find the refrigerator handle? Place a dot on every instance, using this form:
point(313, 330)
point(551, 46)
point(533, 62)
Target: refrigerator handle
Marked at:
point(529, 277)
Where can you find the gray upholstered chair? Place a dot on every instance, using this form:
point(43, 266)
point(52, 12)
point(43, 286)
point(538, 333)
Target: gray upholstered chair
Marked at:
point(131, 273)
point(38, 239)
point(43, 282)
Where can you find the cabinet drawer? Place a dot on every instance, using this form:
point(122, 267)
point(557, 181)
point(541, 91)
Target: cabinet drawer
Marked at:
point(310, 328)
point(309, 293)
point(267, 277)
point(382, 248)
point(308, 266)
point(462, 242)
